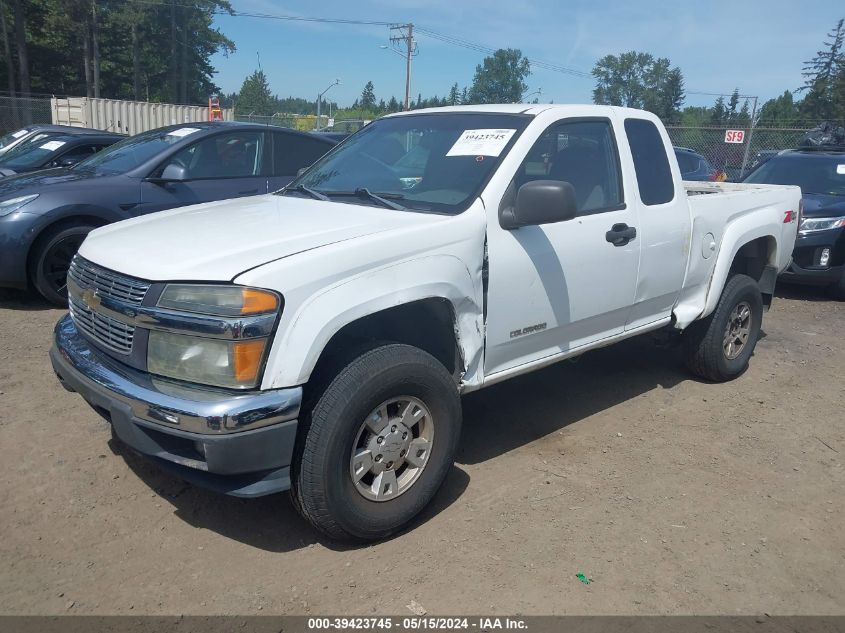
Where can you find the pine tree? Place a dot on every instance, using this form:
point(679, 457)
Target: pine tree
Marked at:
point(823, 81)
point(368, 97)
point(454, 97)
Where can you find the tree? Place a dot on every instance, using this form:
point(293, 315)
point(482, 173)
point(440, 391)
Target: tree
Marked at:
point(454, 97)
point(255, 97)
point(779, 112)
point(500, 78)
point(638, 80)
point(368, 97)
point(393, 105)
point(825, 77)
point(120, 48)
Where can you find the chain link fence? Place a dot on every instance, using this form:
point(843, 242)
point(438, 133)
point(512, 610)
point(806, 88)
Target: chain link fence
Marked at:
point(16, 112)
point(752, 146)
point(738, 157)
point(306, 122)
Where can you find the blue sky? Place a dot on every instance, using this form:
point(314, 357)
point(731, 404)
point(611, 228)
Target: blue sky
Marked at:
point(756, 45)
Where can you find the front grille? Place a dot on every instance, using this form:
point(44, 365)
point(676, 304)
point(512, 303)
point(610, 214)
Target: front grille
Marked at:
point(107, 283)
point(111, 334)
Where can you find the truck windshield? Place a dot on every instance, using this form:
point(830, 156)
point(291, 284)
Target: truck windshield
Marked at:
point(419, 162)
point(133, 151)
point(815, 174)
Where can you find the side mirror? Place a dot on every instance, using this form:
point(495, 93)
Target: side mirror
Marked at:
point(301, 171)
point(540, 202)
point(174, 172)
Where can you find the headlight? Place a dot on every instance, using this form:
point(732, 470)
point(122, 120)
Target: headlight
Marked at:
point(205, 360)
point(227, 301)
point(811, 225)
point(233, 363)
point(10, 206)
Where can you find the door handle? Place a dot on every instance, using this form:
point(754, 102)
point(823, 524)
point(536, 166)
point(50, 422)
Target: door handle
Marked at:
point(620, 234)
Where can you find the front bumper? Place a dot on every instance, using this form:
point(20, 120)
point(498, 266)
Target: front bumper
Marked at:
point(239, 444)
point(804, 268)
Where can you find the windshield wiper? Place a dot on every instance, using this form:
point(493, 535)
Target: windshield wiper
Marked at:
point(310, 192)
point(366, 194)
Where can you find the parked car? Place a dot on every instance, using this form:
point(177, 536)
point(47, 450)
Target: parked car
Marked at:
point(13, 139)
point(319, 339)
point(45, 216)
point(694, 166)
point(819, 256)
point(54, 150)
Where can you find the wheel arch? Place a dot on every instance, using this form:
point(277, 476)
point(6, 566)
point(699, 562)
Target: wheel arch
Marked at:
point(55, 225)
point(753, 251)
point(432, 303)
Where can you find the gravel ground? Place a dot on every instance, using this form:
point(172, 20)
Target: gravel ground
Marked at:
point(672, 495)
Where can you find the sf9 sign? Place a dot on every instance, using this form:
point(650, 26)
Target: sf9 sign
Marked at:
point(734, 136)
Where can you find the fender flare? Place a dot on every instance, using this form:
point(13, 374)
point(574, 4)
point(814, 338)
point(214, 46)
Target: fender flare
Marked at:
point(737, 234)
point(299, 344)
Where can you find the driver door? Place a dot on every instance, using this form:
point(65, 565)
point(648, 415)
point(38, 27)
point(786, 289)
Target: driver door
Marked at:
point(219, 167)
point(557, 287)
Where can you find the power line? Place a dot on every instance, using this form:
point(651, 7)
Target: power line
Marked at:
point(442, 37)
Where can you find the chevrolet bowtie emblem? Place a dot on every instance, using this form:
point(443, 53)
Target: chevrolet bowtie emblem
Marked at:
point(91, 298)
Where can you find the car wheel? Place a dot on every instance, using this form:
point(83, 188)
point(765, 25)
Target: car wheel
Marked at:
point(51, 260)
point(378, 443)
point(719, 347)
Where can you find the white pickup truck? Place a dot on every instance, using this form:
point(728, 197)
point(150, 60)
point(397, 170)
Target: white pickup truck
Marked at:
point(318, 339)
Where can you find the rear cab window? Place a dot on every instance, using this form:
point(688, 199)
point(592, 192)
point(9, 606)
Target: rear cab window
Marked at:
point(651, 163)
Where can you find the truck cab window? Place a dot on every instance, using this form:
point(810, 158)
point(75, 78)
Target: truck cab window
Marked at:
point(654, 177)
point(582, 153)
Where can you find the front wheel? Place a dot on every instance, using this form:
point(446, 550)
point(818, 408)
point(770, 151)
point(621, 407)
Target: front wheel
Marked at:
point(378, 443)
point(719, 347)
point(51, 261)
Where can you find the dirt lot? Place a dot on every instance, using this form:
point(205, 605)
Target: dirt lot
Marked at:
point(673, 495)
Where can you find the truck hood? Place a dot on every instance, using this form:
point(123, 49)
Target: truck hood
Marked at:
point(219, 240)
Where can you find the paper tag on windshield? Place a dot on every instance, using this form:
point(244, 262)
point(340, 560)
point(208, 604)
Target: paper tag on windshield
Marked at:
point(19, 133)
point(183, 131)
point(52, 145)
point(481, 143)
point(840, 169)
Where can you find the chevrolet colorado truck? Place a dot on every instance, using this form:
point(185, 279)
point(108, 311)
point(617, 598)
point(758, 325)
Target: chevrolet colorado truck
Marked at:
point(318, 339)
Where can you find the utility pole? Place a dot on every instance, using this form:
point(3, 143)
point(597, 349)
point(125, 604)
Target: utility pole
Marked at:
point(748, 140)
point(405, 35)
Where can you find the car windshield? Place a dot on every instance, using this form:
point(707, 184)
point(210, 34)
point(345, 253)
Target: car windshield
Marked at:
point(134, 151)
point(819, 174)
point(32, 152)
point(420, 162)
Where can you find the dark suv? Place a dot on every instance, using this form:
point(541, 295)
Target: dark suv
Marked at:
point(819, 256)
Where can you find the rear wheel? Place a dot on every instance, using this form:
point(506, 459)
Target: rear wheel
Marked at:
point(719, 347)
point(51, 261)
point(378, 443)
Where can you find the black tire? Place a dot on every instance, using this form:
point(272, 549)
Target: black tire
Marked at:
point(837, 290)
point(322, 486)
point(51, 259)
point(703, 341)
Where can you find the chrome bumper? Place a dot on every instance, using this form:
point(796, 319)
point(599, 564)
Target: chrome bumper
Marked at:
point(168, 404)
point(240, 444)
